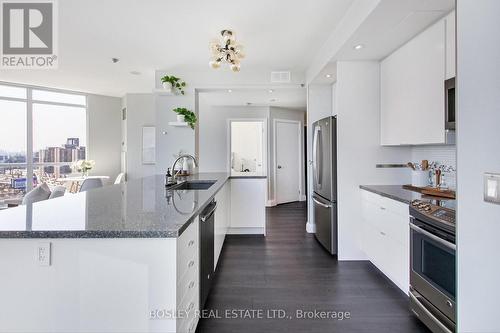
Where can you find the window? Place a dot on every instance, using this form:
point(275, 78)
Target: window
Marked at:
point(247, 147)
point(56, 137)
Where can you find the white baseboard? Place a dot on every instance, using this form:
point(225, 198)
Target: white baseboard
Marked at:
point(303, 197)
point(271, 203)
point(246, 231)
point(310, 227)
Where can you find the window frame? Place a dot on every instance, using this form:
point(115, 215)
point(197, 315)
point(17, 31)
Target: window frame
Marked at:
point(29, 122)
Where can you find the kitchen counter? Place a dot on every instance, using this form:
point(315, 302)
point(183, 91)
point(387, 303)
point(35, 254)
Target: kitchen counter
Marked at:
point(140, 208)
point(398, 193)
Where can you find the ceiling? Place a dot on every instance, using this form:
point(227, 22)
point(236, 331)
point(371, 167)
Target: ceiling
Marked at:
point(166, 34)
point(390, 25)
point(290, 98)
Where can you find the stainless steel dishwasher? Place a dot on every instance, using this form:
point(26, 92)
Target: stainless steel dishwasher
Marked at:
point(206, 251)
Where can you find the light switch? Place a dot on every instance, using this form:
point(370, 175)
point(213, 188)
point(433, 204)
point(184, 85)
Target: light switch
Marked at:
point(492, 188)
point(43, 254)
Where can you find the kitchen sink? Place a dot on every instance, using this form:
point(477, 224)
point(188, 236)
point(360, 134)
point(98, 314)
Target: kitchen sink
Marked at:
point(194, 185)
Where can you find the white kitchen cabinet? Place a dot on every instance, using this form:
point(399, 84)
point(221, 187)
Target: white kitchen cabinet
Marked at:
point(450, 45)
point(385, 236)
point(222, 219)
point(412, 90)
point(248, 206)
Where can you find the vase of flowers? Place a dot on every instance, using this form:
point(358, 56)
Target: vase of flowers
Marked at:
point(84, 166)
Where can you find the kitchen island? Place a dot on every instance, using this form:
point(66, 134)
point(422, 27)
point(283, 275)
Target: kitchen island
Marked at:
point(122, 258)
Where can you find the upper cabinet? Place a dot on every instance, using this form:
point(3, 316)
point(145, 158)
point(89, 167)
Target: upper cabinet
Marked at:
point(450, 46)
point(412, 88)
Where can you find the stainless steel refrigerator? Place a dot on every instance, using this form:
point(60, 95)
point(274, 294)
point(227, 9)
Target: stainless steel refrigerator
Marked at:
point(324, 153)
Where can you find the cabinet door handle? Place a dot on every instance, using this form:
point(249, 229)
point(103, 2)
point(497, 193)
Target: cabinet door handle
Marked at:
point(191, 243)
point(191, 263)
point(191, 285)
point(382, 208)
point(383, 233)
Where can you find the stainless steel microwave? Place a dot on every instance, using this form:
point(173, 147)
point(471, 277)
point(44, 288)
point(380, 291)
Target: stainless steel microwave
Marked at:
point(449, 96)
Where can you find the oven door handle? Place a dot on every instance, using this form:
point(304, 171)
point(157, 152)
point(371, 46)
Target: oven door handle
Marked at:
point(429, 314)
point(433, 237)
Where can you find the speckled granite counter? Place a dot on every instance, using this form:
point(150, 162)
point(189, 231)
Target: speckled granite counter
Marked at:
point(140, 208)
point(395, 192)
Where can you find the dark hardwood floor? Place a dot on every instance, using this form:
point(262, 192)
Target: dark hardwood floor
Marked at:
point(288, 270)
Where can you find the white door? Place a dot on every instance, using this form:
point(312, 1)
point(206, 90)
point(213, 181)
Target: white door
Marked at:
point(287, 164)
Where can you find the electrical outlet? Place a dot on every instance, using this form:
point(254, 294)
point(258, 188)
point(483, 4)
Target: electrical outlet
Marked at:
point(43, 254)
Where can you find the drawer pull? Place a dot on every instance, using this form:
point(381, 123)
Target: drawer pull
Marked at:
point(382, 208)
point(191, 263)
point(191, 285)
point(383, 233)
point(191, 243)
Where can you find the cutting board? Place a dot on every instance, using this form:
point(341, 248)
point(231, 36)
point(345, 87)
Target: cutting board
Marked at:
point(432, 191)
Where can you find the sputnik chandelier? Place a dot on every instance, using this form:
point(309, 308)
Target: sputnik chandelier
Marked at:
point(227, 51)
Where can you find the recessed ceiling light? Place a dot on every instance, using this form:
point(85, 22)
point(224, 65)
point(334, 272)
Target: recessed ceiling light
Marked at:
point(115, 60)
point(135, 73)
point(359, 47)
point(328, 76)
point(271, 91)
point(229, 91)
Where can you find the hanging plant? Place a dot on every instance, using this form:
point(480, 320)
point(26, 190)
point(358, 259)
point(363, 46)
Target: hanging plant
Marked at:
point(189, 116)
point(173, 83)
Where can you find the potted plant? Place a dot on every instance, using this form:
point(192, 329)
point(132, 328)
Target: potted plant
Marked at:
point(185, 115)
point(171, 84)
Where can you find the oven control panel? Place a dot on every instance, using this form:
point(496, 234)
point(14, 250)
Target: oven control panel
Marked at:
point(436, 213)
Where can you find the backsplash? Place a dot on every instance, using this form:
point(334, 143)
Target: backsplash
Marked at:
point(443, 154)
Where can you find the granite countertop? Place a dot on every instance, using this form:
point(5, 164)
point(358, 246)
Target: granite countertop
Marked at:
point(136, 209)
point(397, 192)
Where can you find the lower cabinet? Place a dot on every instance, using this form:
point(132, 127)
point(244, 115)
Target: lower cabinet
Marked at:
point(188, 282)
point(222, 219)
point(385, 238)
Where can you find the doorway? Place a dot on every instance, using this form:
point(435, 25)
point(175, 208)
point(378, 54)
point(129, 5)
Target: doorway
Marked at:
point(287, 160)
point(247, 147)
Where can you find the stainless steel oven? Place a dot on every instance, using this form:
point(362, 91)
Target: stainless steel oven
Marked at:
point(432, 266)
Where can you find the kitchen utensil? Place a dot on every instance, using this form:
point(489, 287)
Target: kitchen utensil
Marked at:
point(425, 164)
point(411, 165)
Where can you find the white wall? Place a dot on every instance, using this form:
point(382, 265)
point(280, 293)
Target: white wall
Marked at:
point(359, 150)
point(287, 114)
point(319, 106)
point(176, 138)
point(213, 133)
point(478, 139)
point(140, 112)
point(104, 134)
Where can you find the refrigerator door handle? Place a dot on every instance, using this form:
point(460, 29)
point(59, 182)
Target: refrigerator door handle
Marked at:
point(320, 203)
point(316, 156)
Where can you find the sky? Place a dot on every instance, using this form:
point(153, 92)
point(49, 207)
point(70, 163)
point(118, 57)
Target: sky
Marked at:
point(52, 125)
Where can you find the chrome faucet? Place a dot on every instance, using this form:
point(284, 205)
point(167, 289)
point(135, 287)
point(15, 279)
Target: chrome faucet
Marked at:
point(174, 175)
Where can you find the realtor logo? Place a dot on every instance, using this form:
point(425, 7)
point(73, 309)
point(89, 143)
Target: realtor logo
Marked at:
point(28, 34)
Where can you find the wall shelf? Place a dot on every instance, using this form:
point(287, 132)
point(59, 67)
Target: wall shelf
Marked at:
point(163, 92)
point(178, 124)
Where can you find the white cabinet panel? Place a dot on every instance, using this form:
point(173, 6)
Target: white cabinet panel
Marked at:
point(248, 206)
point(385, 236)
point(450, 45)
point(412, 91)
point(222, 219)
